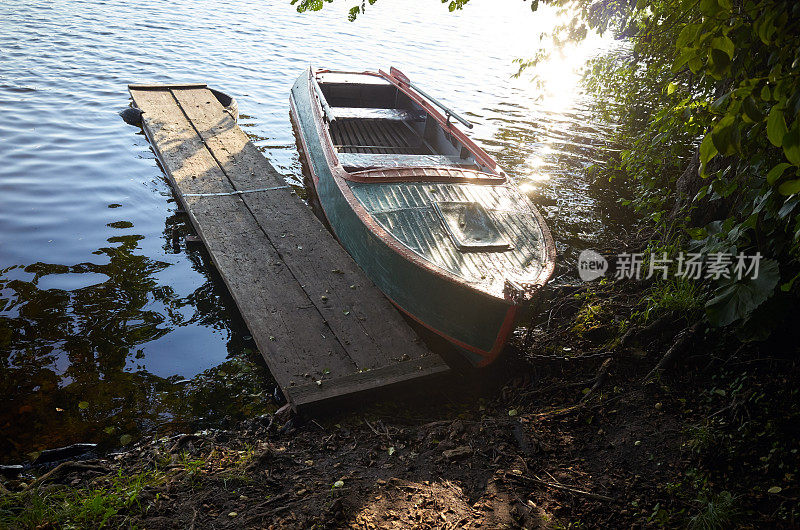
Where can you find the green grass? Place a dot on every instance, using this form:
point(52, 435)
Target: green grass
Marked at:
point(98, 506)
point(717, 512)
point(676, 295)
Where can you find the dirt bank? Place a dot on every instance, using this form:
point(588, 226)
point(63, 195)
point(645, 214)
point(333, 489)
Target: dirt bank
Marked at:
point(581, 433)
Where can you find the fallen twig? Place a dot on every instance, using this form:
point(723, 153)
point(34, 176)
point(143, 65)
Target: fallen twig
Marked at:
point(676, 350)
point(564, 487)
point(599, 379)
point(581, 406)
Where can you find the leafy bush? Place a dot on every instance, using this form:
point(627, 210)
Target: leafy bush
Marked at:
point(719, 78)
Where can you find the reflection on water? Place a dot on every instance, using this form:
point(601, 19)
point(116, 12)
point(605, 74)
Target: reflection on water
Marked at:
point(72, 356)
point(102, 304)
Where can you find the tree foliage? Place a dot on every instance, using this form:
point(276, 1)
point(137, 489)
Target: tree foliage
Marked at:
point(718, 77)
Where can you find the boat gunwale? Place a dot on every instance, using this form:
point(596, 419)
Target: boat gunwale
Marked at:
point(341, 178)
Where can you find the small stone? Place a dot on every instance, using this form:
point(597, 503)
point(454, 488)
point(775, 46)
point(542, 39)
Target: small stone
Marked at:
point(658, 406)
point(459, 452)
point(637, 443)
point(232, 514)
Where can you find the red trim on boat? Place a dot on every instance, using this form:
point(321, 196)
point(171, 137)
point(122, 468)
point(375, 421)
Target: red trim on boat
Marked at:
point(488, 356)
point(476, 151)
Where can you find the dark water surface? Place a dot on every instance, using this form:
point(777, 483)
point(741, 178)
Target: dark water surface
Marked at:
point(105, 313)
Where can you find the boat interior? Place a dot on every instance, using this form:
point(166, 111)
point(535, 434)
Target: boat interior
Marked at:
point(482, 234)
point(373, 124)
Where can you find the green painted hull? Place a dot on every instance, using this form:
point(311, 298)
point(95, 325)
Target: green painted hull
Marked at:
point(467, 317)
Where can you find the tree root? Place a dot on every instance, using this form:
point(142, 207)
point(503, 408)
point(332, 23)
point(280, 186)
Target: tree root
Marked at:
point(599, 379)
point(61, 468)
point(681, 344)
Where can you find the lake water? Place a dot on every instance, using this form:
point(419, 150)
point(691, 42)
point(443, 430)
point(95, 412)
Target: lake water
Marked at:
point(109, 325)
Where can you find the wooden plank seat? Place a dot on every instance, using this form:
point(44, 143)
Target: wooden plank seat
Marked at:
point(358, 113)
point(369, 160)
point(376, 136)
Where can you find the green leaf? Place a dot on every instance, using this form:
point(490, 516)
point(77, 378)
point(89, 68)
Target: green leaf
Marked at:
point(125, 439)
point(765, 26)
point(718, 106)
point(671, 88)
point(765, 95)
point(790, 187)
point(788, 206)
point(776, 172)
point(83, 405)
point(718, 61)
point(695, 64)
point(751, 110)
point(737, 300)
point(726, 136)
point(707, 151)
point(724, 44)
point(687, 35)
point(791, 144)
point(709, 7)
point(684, 57)
point(109, 430)
point(776, 126)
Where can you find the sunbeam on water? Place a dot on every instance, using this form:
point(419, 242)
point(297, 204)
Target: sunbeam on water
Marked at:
point(103, 308)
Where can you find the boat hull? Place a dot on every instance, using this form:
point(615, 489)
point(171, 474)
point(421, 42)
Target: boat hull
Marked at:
point(477, 323)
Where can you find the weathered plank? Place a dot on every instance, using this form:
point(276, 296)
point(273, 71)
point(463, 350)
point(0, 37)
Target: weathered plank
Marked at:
point(353, 308)
point(360, 113)
point(384, 376)
point(249, 265)
point(362, 160)
point(310, 309)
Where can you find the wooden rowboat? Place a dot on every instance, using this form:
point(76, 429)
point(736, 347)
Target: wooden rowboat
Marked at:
point(426, 213)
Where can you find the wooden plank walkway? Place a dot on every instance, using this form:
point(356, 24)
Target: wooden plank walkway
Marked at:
point(323, 328)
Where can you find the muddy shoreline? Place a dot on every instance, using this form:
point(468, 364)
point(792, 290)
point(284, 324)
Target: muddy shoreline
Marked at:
point(580, 432)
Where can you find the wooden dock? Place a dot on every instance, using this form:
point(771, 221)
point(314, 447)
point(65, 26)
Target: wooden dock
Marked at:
point(323, 328)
